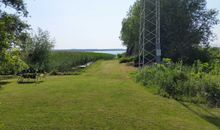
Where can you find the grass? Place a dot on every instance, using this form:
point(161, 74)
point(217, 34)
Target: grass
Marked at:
point(105, 97)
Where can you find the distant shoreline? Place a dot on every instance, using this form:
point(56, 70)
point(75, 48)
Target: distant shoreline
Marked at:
point(106, 51)
point(88, 50)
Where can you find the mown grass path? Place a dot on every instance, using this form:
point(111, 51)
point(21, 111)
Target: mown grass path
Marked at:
point(105, 97)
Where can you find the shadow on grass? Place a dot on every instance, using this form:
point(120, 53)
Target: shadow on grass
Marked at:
point(213, 120)
point(210, 117)
point(30, 82)
point(4, 83)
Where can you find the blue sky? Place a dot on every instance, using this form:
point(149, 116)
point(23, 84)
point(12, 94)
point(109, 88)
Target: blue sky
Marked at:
point(85, 24)
point(215, 4)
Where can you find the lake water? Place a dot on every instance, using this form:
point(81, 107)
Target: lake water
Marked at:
point(110, 52)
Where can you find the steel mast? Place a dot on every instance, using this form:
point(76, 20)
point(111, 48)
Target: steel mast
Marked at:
point(149, 37)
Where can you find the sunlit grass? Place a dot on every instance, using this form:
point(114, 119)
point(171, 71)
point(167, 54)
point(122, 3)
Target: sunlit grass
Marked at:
point(104, 97)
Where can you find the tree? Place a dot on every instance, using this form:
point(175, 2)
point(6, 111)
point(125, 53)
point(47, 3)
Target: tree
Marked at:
point(185, 28)
point(18, 5)
point(130, 29)
point(39, 50)
point(13, 33)
point(12, 28)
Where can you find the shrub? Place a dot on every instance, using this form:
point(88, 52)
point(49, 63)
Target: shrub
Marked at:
point(184, 83)
point(126, 59)
point(12, 64)
point(211, 92)
point(120, 55)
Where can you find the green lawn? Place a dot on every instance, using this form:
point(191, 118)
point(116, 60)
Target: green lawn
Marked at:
point(105, 97)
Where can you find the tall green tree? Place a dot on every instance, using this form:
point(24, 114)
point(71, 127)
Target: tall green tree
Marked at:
point(130, 29)
point(13, 34)
point(186, 26)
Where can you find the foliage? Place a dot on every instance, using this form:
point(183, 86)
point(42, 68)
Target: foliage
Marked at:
point(185, 28)
point(185, 83)
point(13, 32)
point(120, 55)
point(126, 59)
point(12, 36)
point(214, 54)
point(18, 5)
point(13, 63)
point(39, 50)
point(130, 29)
point(62, 61)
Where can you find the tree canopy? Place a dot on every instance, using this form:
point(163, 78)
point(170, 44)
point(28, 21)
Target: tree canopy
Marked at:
point(18, 5)
point(186, 26)
point(39, 50)
point(130, 29)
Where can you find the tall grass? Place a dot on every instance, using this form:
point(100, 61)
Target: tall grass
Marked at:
point(65, 61)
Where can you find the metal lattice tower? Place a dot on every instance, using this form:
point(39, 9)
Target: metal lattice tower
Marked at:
point(149, 37)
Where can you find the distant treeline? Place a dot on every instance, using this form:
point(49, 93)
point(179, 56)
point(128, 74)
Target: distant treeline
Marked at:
point(89, 50)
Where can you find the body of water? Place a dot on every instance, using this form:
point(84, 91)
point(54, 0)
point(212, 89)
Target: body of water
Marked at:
point(109, 52)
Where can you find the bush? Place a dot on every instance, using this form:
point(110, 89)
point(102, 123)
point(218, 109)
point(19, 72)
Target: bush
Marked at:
point(211, 92)
point(184, 83)
point(119, 56)
point(126, 59)
point(12, 64)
